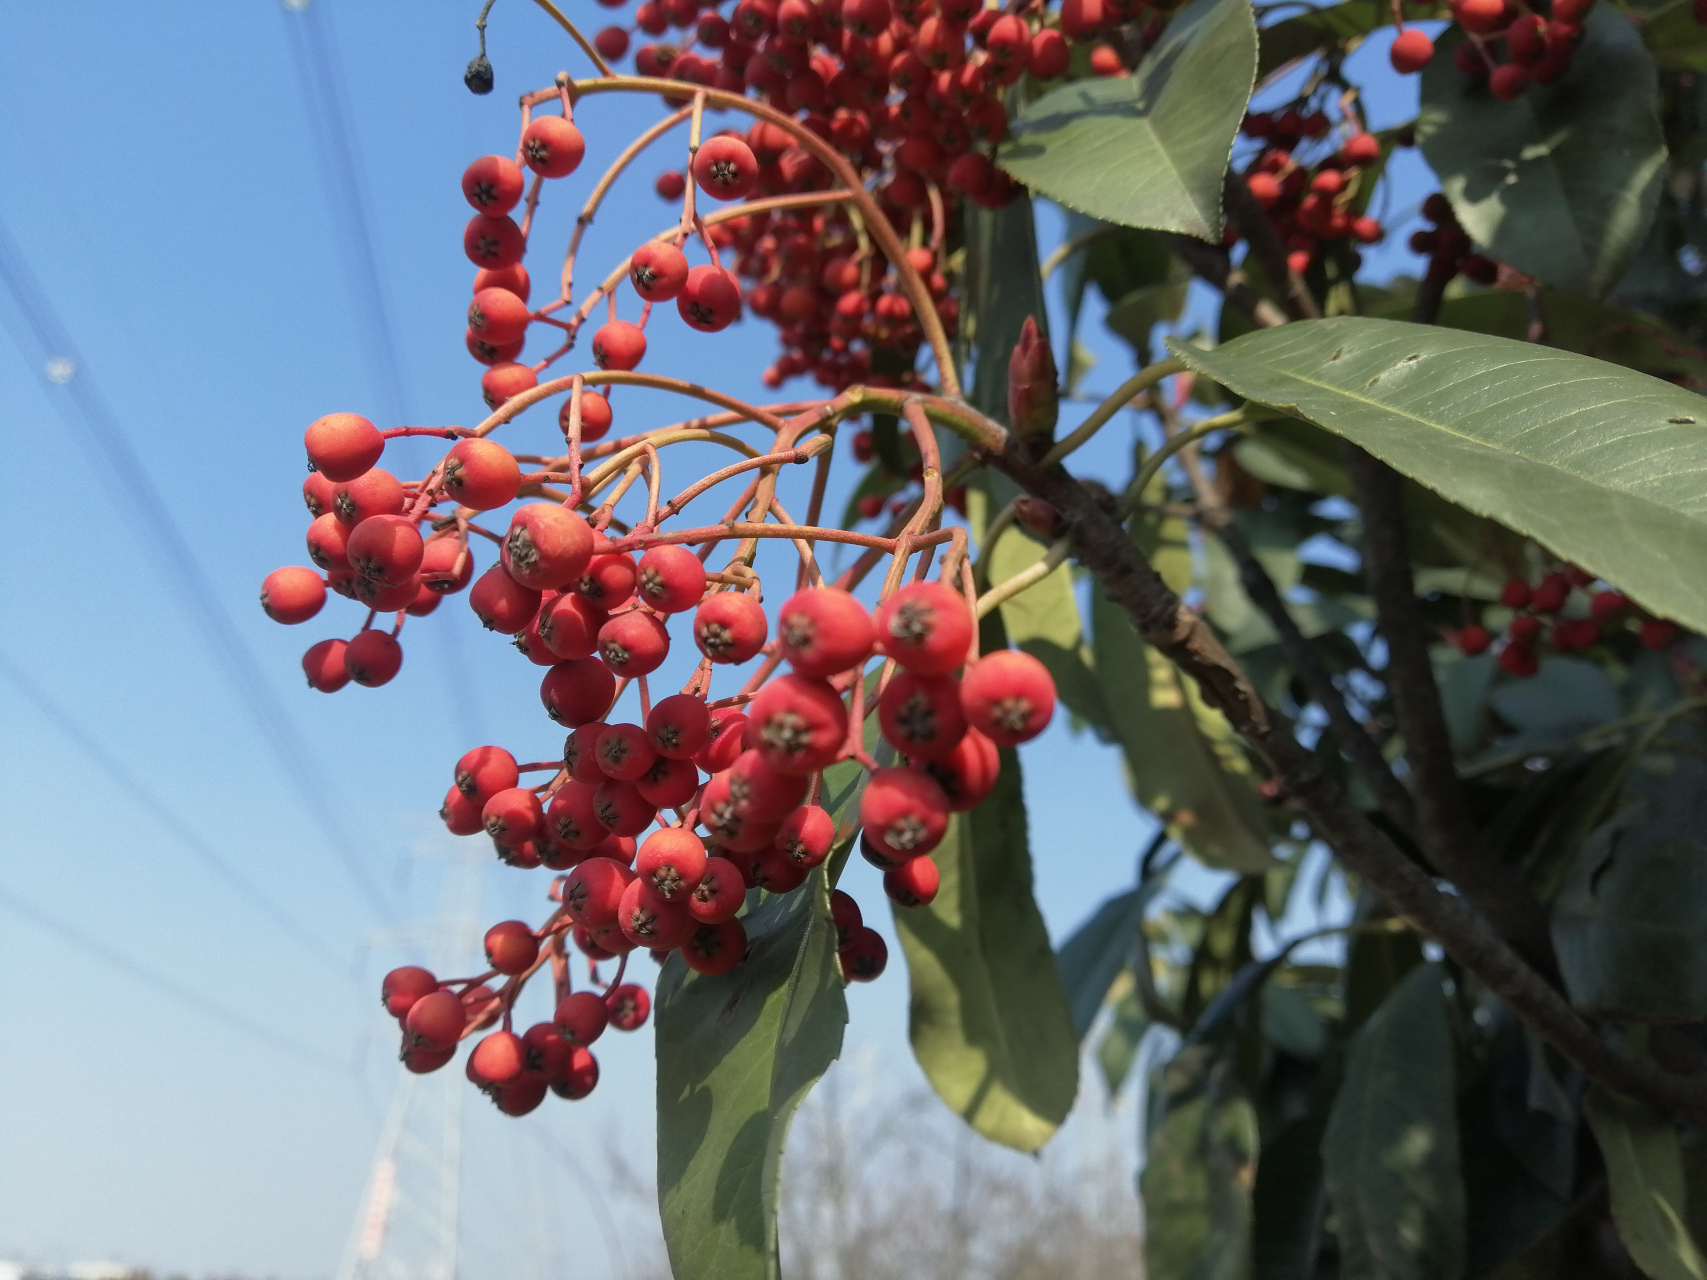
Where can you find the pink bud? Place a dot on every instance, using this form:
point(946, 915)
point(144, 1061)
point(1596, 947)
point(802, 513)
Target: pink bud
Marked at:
point(1033, 403)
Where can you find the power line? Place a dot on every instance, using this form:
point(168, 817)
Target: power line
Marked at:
point(170, 986)
point(84, 409)
point(325, 98)
point(146, 800)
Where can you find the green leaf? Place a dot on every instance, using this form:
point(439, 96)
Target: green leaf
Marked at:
point(1002, 289)
point(1375, 964)
point(1099, 949)
point(1645, 1169)
point(989, 1020)
point(1561, 182)
point(1184, 761)
point(1391, 1147)
point(1677, 41)
point(736, 1054)
point(1149, 149)
point(1291, 1023)
point(1223, 953)
point(1139, 312)
point(1118, 1048)
point(1630, 923)
point(1196, 1187)
point(1596, 462)
point(1043, 620)
point(1316, 31)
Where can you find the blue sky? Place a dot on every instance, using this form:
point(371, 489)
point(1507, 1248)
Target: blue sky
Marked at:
point(201, 1088)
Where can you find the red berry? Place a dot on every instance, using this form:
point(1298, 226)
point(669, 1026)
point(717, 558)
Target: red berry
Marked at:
point(968, 773)
point(670, 185)
point(514, 279)
point(715, 948)
point(497, 1060)
point(292, 594)
point(580, 753)
point(385, 549)
point(581, 1018)
point(799, 724)
point(1105, 61)
point(493, 242)
point(512, 817)
point(845, 915)
point(865, 956)
point(1659, 635)
point(481, 474)
point(593, 891)
point(633, 643)
point(461, 815)
point(727, 741)
point(579, 1078)
point(446, 565)
point(498, 316)
point(725, 168)
point(1008, 696)
point(658, 271)
point(343, 445)
point(1411, 51)
point(671, 579)
point(570, 818)
point(323, 664)
point(419, 1061)
point(501, 603)
point(758, 791)
point(648, 919)
point(628, 1004)
point(485, 352)
point(317, 493)
point(435, 1021)
point(921, 716)
point(620, 808)
point(328, 542)
point(1515, 594)
point(668, 784)
point(719, 893)
point(903, 812)
point(1603, 606)
point(612, 43)
point(403, 987)
point(544, 1055)
point(806, 836)
point(552, 147)
point(1518, 660)
point(823, 631)
point(913, 884)
point(485, 771)
point(609, 581)
point(1049, 54)
point(595, 417)
point(731, 627)
point(502, 382)
point(511, 947)
point(547, 546)
point(1508, 82)
point(710, 301)
point(679, 726)
point(1551, 595)
point(373, 658)
point(375, 492)
point(623, 752)
point(492, 184)
point(671, 861)
point(578, 691)
point(1472, 640)
point(619, 345)
point(926, 627)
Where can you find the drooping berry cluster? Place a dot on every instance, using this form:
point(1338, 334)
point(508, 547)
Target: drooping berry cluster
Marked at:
point(1547, 612)
point(1511, 46)
point(1311, 202)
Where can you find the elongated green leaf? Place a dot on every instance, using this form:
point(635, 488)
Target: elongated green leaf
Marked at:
point(1118, 1048)
point(1677, 41)
point(736, 1054)
point(1630, 923)
point(1139, 312)
point(1600, 464)
point(989, 1020)
point(1391, 1147)
point(1043, 620)
point(1561, 182)
point(1002, 289)
point(1318, 30)
point(1149, 149)
point(1196, 1186)
point(1185, 763)
point(1093, 957)
point(1645, 1169)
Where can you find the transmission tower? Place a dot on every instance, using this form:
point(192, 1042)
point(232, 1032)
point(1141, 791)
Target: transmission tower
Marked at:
point(407, 1225)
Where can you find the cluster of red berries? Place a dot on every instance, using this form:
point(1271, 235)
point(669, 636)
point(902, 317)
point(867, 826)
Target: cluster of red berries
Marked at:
point(1541, 615)
point(1448, 247)
point(515, 1071)
point(1511, 44)
point(1312, 203)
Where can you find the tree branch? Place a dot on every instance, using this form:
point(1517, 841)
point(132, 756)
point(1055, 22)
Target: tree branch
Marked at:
point(1159, 616)
point(1212, 265)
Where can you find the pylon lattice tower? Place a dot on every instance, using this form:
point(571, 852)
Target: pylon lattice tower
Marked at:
point(407, 1226)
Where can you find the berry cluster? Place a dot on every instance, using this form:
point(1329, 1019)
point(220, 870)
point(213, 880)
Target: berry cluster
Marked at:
point(1541, 615)
point(1510, 44)
point(1311, 203)
point(1448, 247)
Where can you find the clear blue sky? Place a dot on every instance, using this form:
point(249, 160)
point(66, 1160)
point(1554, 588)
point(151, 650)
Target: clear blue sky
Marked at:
point(164, 188)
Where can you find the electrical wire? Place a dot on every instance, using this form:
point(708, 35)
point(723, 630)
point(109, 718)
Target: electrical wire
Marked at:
point(84, 410)
point(146, 800)
point(167, 985)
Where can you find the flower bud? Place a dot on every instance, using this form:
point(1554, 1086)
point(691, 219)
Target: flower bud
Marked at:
point(1033, 402)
